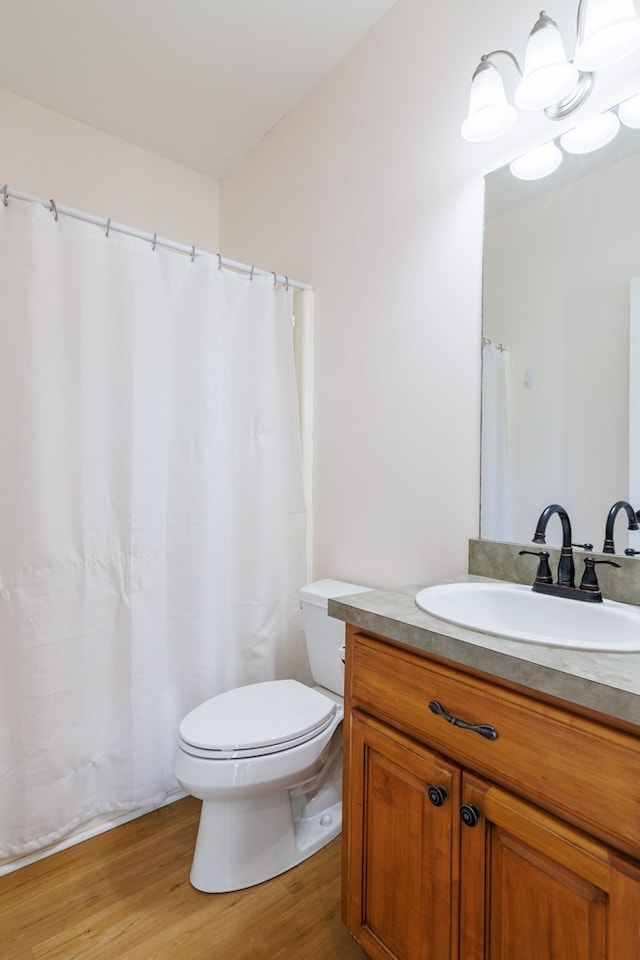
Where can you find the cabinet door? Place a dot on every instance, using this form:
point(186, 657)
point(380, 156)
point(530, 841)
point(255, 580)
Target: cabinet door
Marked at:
point(533, 888)
point(402, 847)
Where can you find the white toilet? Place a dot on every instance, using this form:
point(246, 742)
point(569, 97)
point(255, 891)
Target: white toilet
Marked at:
point(266, 761)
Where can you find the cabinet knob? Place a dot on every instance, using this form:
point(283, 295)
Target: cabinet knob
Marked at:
point(469, 814)
point(437, 795)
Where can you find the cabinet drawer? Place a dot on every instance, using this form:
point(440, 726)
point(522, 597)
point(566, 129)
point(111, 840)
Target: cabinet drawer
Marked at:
point(577, 768)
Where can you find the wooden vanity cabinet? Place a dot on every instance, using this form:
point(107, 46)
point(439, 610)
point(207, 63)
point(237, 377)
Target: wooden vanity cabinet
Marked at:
point(400, 885)
point(532, 887)
point(448, 856)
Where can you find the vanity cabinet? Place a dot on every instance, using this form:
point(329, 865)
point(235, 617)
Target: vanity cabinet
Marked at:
point(462, 847)
point(400, 883)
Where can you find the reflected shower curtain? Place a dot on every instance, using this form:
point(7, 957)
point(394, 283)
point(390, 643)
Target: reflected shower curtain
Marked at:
point(151, 512)
point(496, 509)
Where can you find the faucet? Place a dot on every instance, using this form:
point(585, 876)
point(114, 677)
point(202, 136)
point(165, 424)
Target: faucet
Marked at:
point(632, 517)
point(565, 585)
point(566, 566)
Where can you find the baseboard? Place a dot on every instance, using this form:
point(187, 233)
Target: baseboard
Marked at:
point(86, 833)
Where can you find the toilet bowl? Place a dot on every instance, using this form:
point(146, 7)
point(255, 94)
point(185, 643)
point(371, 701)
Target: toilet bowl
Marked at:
point(266, 761)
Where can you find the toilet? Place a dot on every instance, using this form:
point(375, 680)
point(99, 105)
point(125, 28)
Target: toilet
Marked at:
point(266, 761)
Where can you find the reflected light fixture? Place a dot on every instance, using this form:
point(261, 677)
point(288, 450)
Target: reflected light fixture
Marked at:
point(591, 134)
point(537, 163)
point(629, 112)
point(607, 31)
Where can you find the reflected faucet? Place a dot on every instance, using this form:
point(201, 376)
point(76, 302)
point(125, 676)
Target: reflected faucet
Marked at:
point(566, 566)
point(632, 517)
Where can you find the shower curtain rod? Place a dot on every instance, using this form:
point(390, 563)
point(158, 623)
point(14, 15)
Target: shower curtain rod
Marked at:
point(7, 193)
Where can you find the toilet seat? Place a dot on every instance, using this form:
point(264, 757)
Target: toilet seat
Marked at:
point(256, 720)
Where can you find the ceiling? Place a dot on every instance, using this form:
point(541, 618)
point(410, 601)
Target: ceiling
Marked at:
point(197, 81)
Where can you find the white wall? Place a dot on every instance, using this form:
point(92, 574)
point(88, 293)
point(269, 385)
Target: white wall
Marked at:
point(364, 191)
point(347, 193)
point(367, 191)
point(49, 155)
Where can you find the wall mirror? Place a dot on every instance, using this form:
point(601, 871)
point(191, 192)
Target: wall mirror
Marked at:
point(560, 258)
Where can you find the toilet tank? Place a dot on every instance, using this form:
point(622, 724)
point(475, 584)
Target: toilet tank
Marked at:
point(324, 635)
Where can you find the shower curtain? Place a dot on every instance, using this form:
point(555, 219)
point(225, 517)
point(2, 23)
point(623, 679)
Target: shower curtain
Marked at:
point(152, 522)
point(496, 509)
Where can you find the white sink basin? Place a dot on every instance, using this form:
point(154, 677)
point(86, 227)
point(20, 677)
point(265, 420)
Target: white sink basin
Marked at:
point(514, 611)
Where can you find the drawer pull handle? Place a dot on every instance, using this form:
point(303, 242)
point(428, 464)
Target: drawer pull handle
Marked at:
point(490, 733)
point(469, 814)
point(437, 795)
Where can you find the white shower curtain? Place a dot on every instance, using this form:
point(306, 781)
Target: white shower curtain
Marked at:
point(152, 519)
point(496, 508)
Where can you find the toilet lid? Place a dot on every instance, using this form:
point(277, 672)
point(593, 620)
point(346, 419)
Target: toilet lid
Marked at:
point(258, 716)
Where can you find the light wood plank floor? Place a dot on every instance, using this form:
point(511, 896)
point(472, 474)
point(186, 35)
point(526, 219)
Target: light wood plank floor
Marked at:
point(125, 895)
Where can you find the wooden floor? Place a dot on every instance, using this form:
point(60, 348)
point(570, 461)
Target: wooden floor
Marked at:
point(125, 895)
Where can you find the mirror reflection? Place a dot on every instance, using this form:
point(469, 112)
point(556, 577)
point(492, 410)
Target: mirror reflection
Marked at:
point(560, 259)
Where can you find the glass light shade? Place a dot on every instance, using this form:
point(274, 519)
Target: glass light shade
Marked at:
point(548, 76)
point(537, 163)
point(489, 113)
point(592, 134)
point(610, 32)
point(629, 112)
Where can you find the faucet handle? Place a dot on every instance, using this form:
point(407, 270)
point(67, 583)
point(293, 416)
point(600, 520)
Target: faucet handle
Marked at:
point(583, 546)
point(589, 580)
point(543, 574)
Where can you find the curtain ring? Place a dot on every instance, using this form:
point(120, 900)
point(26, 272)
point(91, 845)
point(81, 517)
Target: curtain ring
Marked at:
point(251, 274)
point(155, 241)
point(275, 278)
point(5, 195)
point(106, 233)
point(193, 253)
point(286, 284)
point(219, 261)
point(54, 209)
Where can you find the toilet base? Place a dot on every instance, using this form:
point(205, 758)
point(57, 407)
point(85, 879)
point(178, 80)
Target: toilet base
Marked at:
point(246, 842)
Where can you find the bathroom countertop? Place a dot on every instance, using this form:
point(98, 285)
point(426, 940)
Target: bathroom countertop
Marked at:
point(608, 683)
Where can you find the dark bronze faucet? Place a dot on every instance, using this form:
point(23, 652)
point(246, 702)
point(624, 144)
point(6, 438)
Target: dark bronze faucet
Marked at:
point(565, 585)
point(566, 566)
point(632, 517)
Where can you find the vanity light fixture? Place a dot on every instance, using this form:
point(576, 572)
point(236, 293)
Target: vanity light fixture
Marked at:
point(490, 114)
point(548, 79)
point(607, 31)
